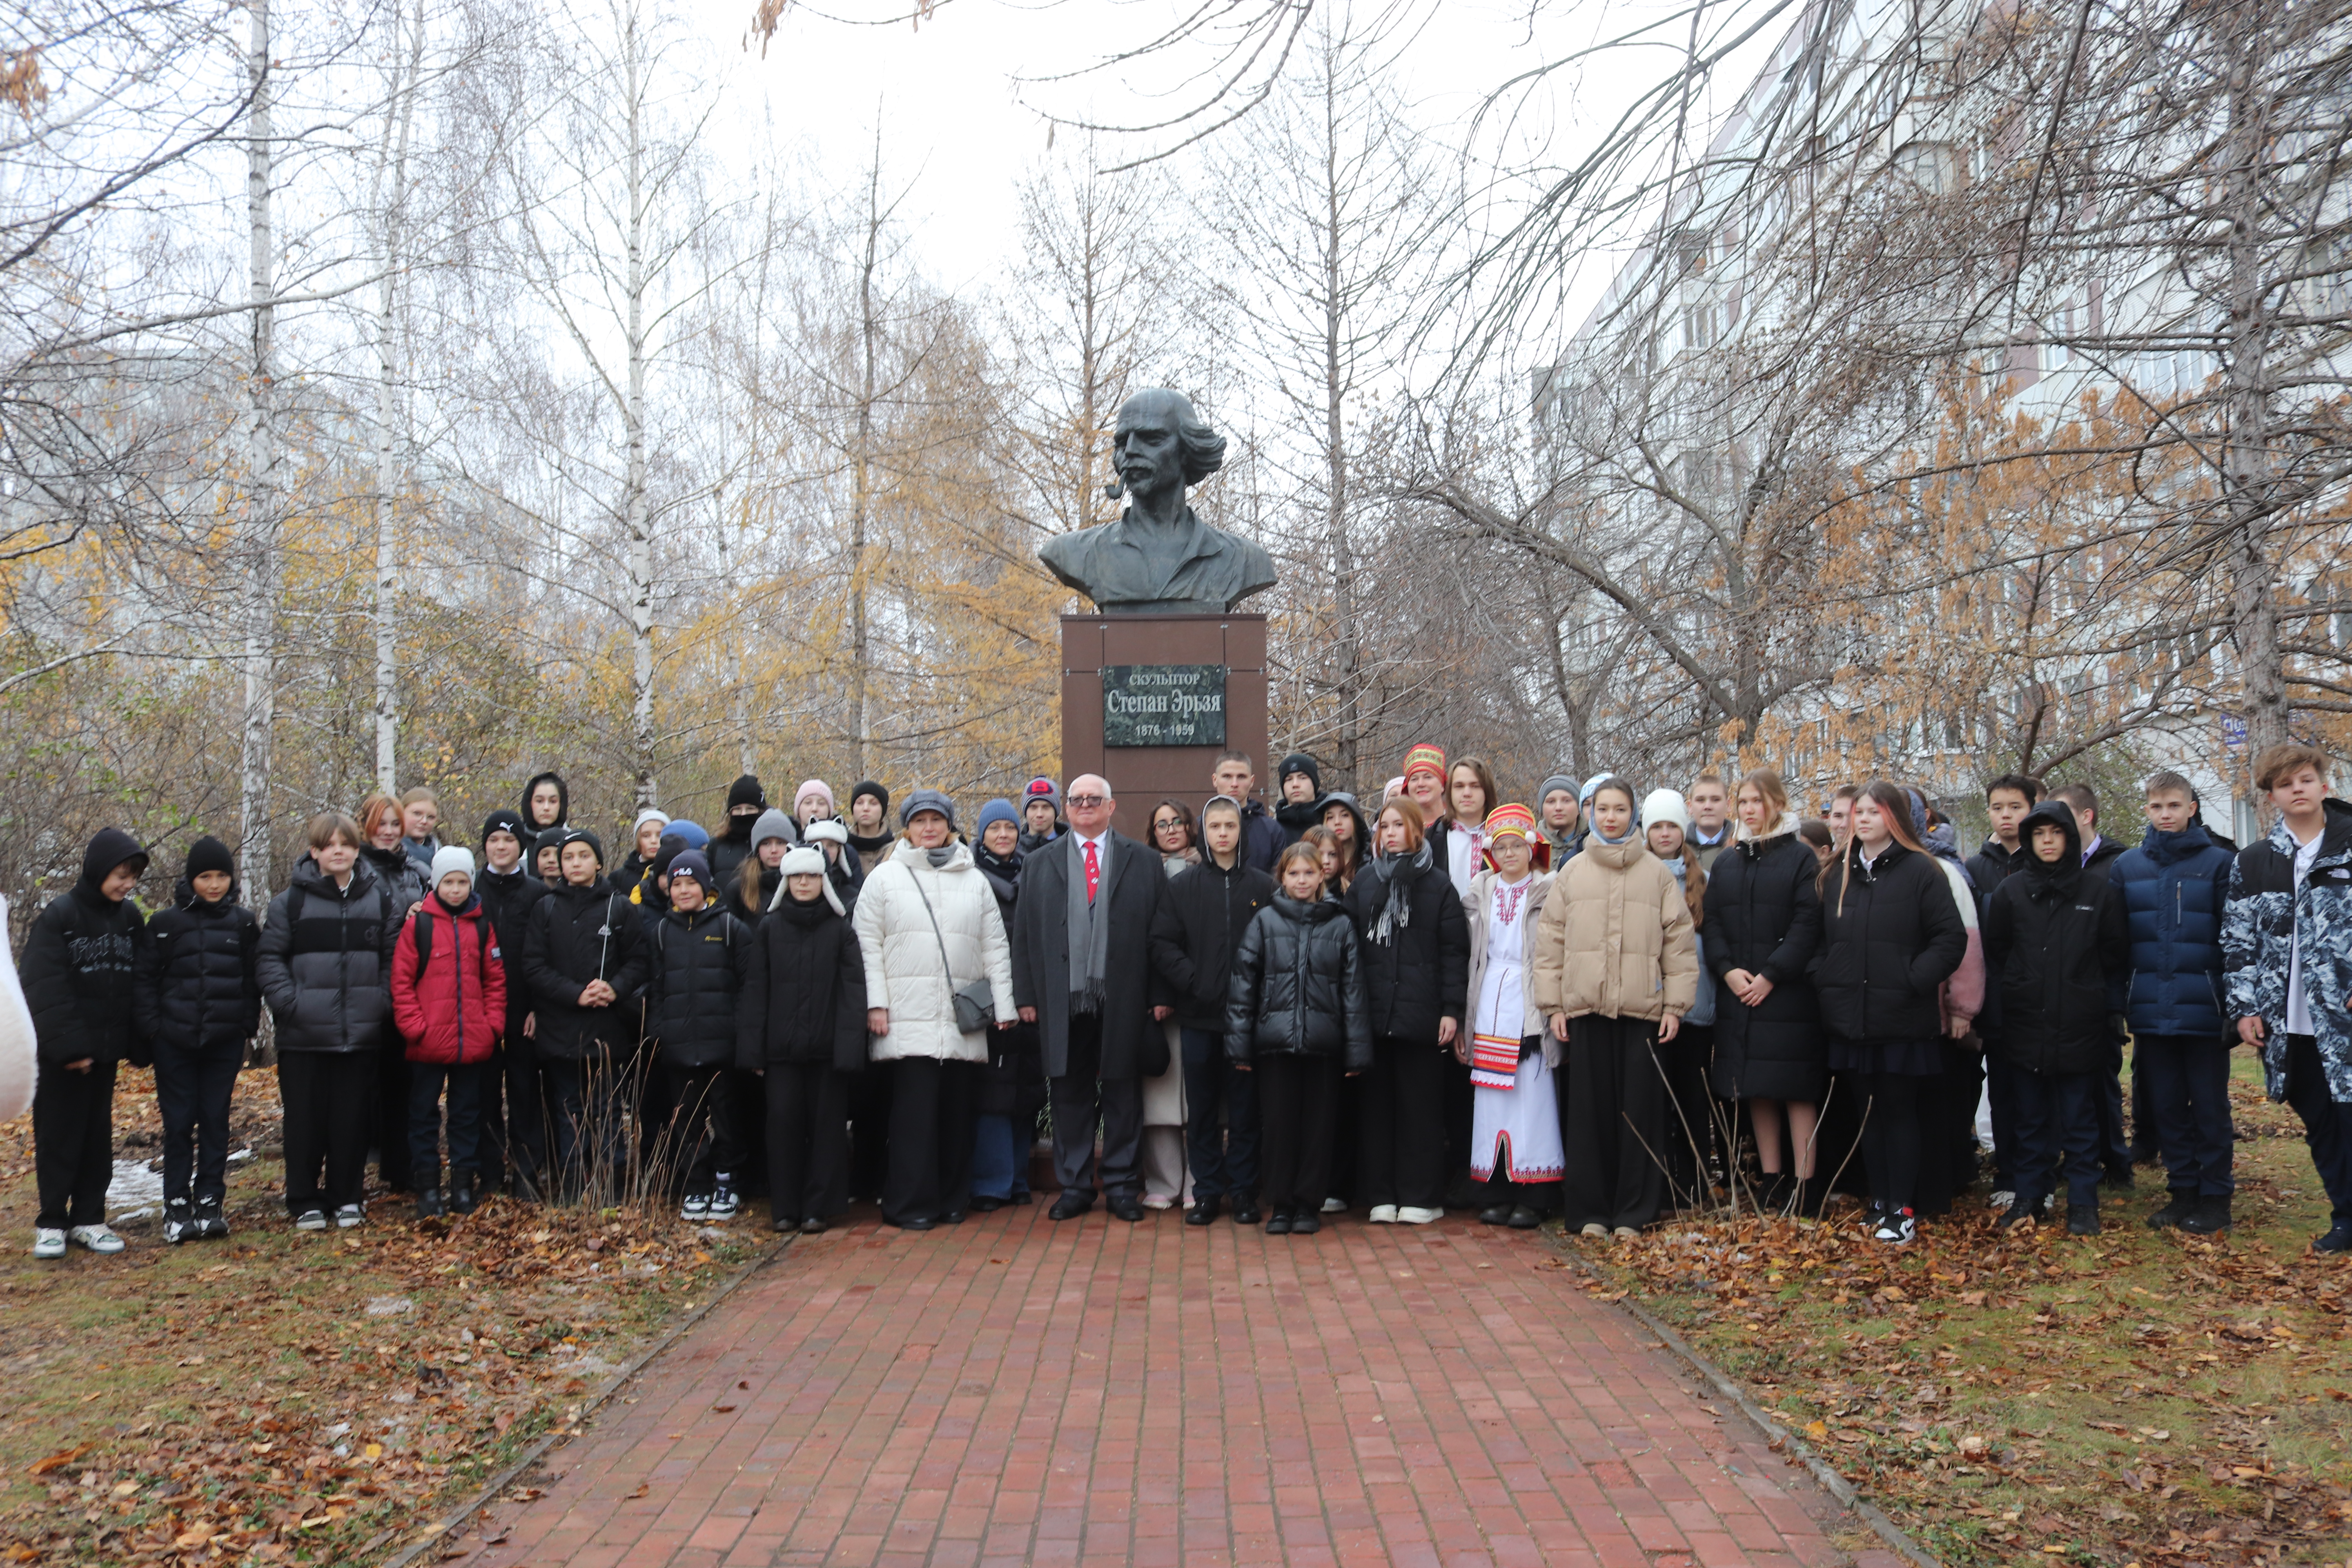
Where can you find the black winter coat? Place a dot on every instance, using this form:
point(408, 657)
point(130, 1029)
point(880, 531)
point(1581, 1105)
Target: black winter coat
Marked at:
point(1197, 932)
point(1764, 915)
point(2057, 938)
point(77, 968)
point(401, 875)
point(803, 991)
point(325, 960)
point(701, 962)
point(1988, 868)
point(1011, 1053)
point(198, 988)
point(1890, 936)
point(1134, 1045)
point(575, 935)
point(726, 851)
point(1298, 986)
point(507, 898)
point(1422, 972)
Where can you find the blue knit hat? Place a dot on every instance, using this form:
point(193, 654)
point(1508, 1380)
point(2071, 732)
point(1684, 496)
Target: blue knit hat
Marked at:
point(694, 835)
point(997, 810)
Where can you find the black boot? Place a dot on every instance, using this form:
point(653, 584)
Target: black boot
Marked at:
point(461, 1197)
point(2081, 1218)
point(429, 1205)
point(2183, 1205)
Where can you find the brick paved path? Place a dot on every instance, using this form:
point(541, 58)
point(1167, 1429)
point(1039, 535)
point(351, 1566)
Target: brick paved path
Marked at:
point(1012, 1391)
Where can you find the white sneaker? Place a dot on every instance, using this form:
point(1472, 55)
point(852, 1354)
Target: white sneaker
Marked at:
point(1408, 1215)
point(1595, 1230)
point(1897, 1229)
point(697, 1206)
point(724, 1204)
point(1382, 1213)
point(48, 1243)
point(1335, 1205)
point(349, 1216)
point(310, 1219)
point(1626, 1233)
point(96, 1238)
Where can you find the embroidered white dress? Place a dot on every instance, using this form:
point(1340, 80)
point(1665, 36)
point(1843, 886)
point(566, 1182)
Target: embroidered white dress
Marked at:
point(1515, 1118)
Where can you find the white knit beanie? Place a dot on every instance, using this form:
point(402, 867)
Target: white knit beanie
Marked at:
point(1666, 806)
point(449, 858)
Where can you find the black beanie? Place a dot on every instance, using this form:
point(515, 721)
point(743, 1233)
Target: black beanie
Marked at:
point(1299, 762)
point(506, 819)
point(209, 854)
point(746, 791)
point(868, 786)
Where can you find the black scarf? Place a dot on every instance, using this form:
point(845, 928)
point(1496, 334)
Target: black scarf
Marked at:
point(1298, 815)
point(1399, 872)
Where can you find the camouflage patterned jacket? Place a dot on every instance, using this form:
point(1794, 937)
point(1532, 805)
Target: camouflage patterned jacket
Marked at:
point(2258, 925)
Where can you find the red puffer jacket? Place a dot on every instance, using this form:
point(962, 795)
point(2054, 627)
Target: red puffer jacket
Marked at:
point(452, 1012)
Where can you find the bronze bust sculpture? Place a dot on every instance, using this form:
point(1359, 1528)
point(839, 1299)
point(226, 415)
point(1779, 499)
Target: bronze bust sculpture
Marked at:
point(1159, 558)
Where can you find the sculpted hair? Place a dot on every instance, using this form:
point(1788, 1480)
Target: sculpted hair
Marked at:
point(1203, 449)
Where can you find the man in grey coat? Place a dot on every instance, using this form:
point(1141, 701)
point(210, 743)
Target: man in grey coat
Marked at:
point(1082, 974)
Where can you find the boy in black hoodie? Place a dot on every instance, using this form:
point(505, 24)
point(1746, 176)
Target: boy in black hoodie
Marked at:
point(76, 972)
point(197, 999)
point(514, 1139)
point(585, 961)
point(2055, 935)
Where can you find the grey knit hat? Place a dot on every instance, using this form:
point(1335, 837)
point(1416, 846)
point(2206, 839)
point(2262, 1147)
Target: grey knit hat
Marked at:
point(927, 800)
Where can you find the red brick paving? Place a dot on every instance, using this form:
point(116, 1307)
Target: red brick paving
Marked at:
point(1013, 1391)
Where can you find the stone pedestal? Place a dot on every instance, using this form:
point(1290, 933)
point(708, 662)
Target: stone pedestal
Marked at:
point(1141, 775)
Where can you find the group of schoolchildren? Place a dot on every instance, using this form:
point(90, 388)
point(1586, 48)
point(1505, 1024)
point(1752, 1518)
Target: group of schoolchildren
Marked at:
point(1581, 1009)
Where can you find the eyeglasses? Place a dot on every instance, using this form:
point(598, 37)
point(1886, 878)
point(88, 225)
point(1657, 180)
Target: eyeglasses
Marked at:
point(1089, 801)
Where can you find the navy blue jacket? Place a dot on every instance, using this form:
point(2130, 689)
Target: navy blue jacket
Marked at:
point(2173, 887)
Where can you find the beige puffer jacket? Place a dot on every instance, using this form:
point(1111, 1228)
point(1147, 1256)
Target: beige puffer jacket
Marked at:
point(903, 973)
point(1615, 937)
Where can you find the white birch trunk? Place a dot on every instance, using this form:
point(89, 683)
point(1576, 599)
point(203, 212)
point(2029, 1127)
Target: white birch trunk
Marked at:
point(636, 511)
point(391, 408)
point(263, 503)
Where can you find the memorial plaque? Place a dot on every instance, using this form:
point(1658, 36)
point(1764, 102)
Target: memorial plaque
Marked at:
point(1163, 705)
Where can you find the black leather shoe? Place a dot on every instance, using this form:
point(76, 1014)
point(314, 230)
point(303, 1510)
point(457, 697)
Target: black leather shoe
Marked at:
point(2338, 1239)
point(953, 1216)
point(1020, 1199)
point(1246, 1212)
point(1500, 1214)
point(2183, 1205)
point(2017, 1214)
point(1279, 1225)
point(1127, 1209)
point(429, 1205)
point(2209, 1217)
point(2082, 1219)
point(1202, 1212)
point(1305, 1224)
point(1524, 1218)
point(920, 1222)
point(811, 1226)
point(986, 1204)
point(1069, 1206)
point(784, 1225)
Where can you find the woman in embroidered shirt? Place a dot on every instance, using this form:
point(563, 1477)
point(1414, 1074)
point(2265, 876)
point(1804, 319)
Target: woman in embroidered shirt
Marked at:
point(1514, 1144)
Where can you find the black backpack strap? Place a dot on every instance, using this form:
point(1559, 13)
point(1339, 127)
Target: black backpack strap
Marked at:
point(422, 922)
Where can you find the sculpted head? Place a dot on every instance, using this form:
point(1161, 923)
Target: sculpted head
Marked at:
point(1161, 442)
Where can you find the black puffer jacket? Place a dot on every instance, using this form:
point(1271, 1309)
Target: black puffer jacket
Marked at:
point(1298, 987)
point(1197, 931)
point(507, 898)
point(1421, 973)
point(1890, 936)
point(197, 987)
point(803, 991)
point(2059, 939)
point(701, 962)
point(325, 960)
point(575, 935)
point(1764, 916)
point(79, 961)
point(401, 876)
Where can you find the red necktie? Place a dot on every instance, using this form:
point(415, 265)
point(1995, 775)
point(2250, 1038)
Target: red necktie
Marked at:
point(1094, 872)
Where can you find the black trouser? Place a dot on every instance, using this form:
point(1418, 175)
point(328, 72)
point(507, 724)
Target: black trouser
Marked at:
point(329, 1098)
point(2114, 1150)
point(1400, 1148)
point(870, 1132)
point(931, 1120)
point(1223, 1154)
point(1081, 1098)
point(1613, 1120)
point(1299, 1107)
point(745, 1118)
point(1893, 1133)
point(2057, 1130)
point(808, 1140)
point(1689, 1131)
point(465, 1084)
point(2146, 1124)
point(702, 1141)
point(388, 1119)
point(2187, 1081)
point(2327, 1123)
point(1460, 1100)
point(589, 1100)
point(193, 1086)
point(73, 1142)
point(2001, 1089)
point(514, 1136)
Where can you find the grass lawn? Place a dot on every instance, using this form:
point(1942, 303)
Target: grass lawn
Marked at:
point(304, 1398)
point(2136, 1397)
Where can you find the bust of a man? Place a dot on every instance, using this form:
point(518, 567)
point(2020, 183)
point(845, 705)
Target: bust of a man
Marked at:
point(1159, 558)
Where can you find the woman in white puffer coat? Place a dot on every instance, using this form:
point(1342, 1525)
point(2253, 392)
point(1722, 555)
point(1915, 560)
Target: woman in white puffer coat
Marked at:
point(928, 926)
